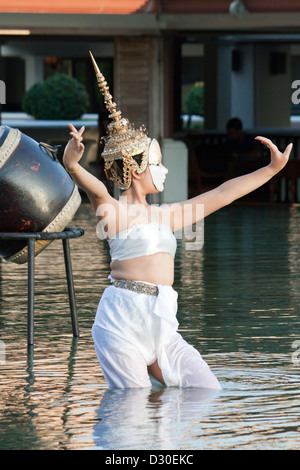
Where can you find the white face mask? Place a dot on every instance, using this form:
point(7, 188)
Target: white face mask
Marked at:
point(157, 170)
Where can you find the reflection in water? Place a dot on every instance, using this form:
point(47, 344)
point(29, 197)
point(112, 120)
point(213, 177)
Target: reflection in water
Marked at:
point(155, 419)
point(238, 304)
point(249, 281)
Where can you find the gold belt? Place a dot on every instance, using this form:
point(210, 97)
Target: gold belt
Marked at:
point(136, 286)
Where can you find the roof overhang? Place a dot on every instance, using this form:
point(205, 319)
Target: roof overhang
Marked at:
point(124, 7)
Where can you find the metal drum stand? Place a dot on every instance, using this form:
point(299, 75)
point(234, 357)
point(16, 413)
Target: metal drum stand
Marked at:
point(31, 238)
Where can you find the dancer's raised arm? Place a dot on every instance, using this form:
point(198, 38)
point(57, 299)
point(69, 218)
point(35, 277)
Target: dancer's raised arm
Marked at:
point(232, 189)
point(95, 189)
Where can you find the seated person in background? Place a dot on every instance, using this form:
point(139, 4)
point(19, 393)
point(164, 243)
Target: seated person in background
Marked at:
point(239, 144)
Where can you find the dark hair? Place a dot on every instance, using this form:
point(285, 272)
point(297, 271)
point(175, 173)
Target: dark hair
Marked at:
point(119, 164)
point(234, 123)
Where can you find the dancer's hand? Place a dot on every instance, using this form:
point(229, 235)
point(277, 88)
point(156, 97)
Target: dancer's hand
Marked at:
point(278, 159)
point(74, 149)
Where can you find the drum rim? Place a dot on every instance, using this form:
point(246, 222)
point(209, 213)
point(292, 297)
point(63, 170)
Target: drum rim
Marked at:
point(9, 145)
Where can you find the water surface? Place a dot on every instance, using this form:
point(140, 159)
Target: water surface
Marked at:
point(238, 304)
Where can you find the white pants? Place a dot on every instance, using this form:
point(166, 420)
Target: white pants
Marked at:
point(132, 330)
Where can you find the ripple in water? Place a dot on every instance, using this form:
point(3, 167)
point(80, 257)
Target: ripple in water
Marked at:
point(238, 304)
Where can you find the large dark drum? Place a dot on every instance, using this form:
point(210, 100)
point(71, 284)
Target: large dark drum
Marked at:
point(36, 192)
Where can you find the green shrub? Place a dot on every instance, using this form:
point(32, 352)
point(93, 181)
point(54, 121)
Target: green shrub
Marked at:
point(57, 97)
point(194, 100)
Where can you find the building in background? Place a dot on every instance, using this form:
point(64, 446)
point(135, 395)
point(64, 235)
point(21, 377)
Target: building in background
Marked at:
point(244, 55)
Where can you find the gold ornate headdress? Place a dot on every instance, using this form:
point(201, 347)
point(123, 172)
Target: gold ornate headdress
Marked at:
point(122, 142)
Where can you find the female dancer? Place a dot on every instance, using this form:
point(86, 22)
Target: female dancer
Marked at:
point(135, 329)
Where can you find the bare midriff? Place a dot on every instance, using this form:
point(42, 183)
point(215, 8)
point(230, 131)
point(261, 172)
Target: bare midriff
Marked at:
point(157, 269)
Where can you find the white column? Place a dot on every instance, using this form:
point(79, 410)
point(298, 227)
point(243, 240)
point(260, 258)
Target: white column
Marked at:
point(272, 90)
point(175, 158)
point(236, 87)
point(34, 70)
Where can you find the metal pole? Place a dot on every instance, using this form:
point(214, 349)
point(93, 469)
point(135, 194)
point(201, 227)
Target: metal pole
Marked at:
point(69, 232)
point(69, 273)
point(30, 315)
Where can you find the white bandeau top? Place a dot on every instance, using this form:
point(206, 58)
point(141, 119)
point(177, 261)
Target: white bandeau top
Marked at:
point(142, 239)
